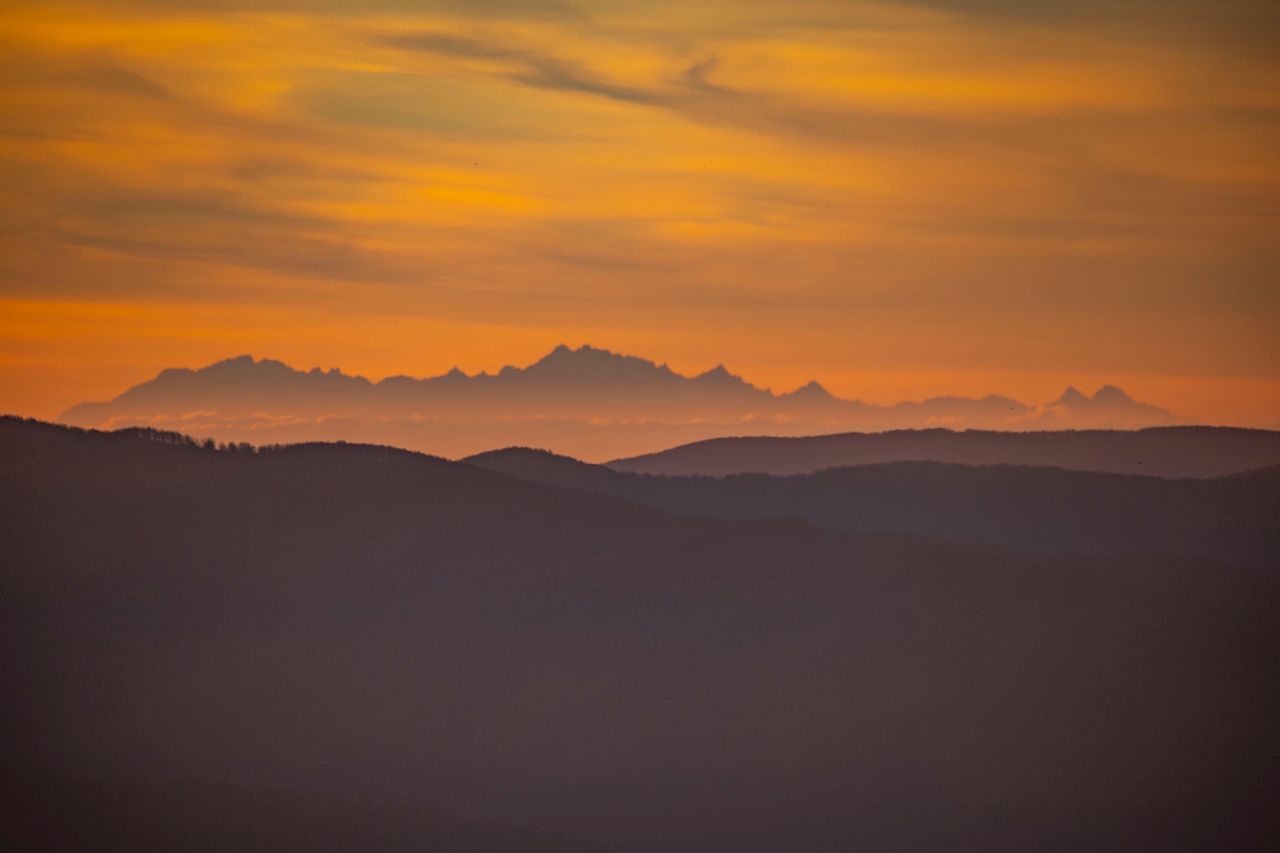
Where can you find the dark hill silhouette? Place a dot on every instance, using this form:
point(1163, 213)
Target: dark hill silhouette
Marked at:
point(1159, 451)
point(1046, 509)
point(554, 469)
point(367, 624)
point(588, 401)
point(97, 814)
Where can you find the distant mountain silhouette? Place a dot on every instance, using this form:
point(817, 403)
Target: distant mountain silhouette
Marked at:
point(1109, 406)
point(361, 624)
point(1159, 452)
point(587, 401)
point(1043, 509)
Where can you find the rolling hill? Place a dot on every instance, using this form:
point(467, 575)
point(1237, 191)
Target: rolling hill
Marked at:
point(1053, 510)
point(362, 624)
point(1194, 451)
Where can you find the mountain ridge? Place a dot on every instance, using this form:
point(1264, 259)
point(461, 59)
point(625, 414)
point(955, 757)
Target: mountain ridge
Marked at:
point(1172, 451)
point(602, 405)
point(1031, 508)
point(567, 363)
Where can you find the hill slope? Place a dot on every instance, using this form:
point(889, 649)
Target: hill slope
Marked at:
point(1235, 519)
point(1157, 452)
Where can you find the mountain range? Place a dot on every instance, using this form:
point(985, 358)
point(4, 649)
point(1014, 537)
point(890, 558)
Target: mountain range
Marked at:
point(332, 647)
point(588, 402)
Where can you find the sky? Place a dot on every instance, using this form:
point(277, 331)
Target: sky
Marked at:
point(901, 199)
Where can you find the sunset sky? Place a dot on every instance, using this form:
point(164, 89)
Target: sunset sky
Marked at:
point(901, 199)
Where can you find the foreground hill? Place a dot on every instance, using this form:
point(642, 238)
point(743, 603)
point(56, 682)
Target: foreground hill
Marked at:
point(1159, 451)
point(114, 814)
point(381, 627)
point(1234, 519)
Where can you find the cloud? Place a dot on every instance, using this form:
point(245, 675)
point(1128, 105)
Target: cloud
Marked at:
point(96, 71)
point(315, 257)
point(130, 208)
point(221, 227)
point(446, 44)
point(690, 93)
point(459, 108)
point(695, 76)
point(531, 68)
point(547, 73)
point(535, 10)
point(1145, 12)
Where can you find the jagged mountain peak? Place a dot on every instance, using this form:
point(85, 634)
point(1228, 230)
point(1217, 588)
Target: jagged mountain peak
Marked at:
point(813, 389)
point(565, 354)
point(234, 361)
point(1071, 396)
point(1111, 394)
point(592, 366)
point(247, 365)
point(720, 375)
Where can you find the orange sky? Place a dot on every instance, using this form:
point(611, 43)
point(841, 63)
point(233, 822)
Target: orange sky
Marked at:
point(899, 198)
